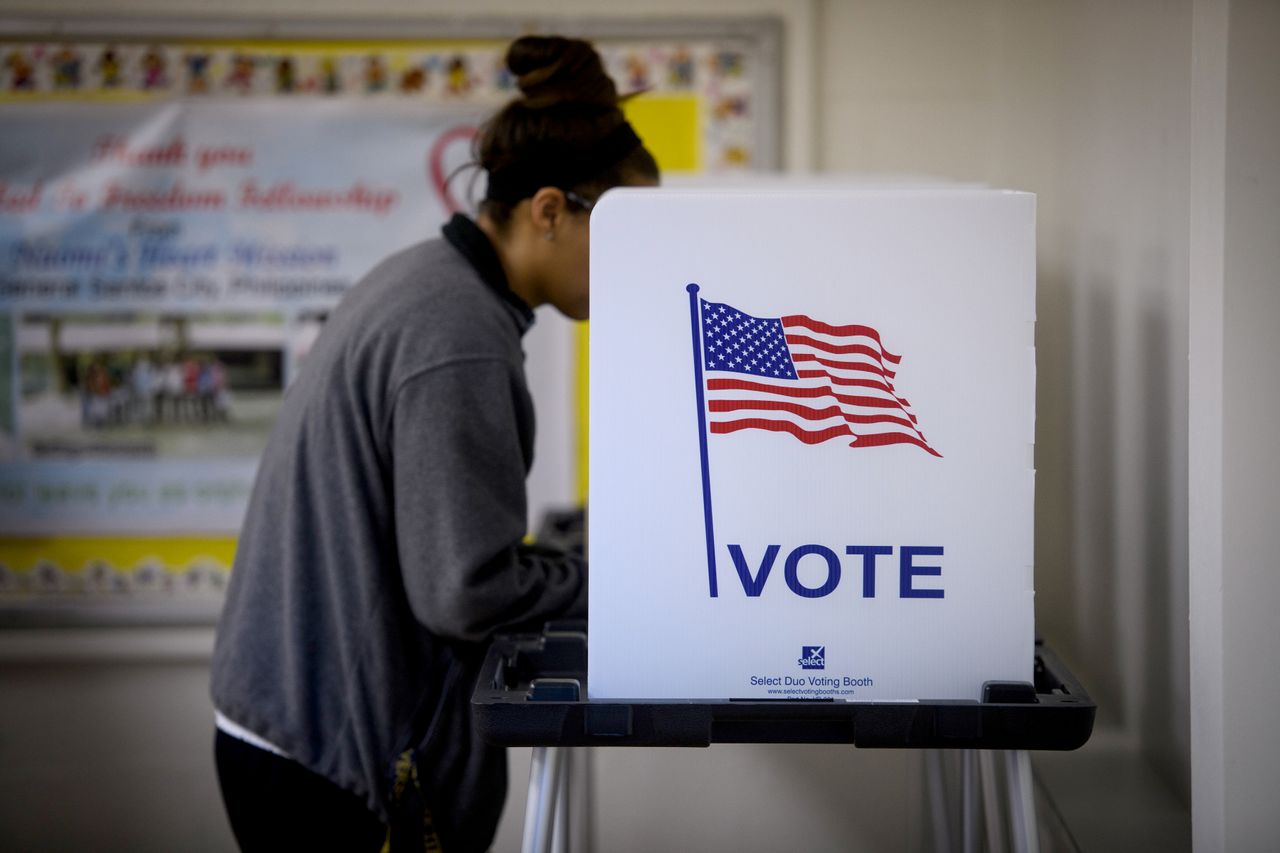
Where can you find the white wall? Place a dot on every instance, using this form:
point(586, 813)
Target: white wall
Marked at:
point(1113, 429)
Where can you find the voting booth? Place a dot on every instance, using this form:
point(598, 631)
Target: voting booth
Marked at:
point(811, 499)
point(812, 419)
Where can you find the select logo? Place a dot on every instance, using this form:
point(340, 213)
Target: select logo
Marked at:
point(813, 657)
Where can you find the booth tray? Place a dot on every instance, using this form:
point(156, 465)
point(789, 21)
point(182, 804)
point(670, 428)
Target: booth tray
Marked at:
point(532, 692)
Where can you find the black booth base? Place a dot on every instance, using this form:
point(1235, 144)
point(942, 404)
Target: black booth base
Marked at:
point(532, 692)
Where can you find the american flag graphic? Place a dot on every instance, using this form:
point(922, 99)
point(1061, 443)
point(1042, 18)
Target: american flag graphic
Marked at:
point(794, 374)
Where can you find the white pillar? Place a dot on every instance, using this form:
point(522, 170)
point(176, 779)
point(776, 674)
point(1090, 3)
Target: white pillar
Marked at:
point(1204, 429)
point(1234, 423)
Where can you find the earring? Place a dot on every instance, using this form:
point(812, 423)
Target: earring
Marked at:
point(549, 236)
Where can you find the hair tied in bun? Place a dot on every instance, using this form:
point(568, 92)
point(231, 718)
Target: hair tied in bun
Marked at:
point(565, 130)
point(550, 70)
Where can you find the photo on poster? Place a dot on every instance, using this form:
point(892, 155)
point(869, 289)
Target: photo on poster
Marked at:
point(155, 386)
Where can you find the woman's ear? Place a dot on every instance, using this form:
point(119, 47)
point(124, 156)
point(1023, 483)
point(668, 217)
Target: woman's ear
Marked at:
point(547, 207)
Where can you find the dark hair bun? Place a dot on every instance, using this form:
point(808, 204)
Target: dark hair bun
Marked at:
point(551, 70)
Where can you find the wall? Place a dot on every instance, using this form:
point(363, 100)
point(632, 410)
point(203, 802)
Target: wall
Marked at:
point(1113, 412)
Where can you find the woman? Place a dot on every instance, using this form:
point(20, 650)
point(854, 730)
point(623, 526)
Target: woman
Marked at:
point(382, 545)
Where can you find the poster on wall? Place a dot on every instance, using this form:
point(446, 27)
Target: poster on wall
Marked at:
point(165, 270)
point(176, 222)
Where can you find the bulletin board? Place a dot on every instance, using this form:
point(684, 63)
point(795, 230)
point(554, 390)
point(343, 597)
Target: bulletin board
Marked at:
point(179, 213)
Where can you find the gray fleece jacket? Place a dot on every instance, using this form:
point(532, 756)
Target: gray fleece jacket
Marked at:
point(382, 544)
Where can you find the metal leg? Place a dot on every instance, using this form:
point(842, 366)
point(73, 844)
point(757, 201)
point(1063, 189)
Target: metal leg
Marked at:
point(939, 809)
point(1022, 802)
point(540, 810)
point(990, 800)
point(584, 808)
point(560, 825)
point(969, 799)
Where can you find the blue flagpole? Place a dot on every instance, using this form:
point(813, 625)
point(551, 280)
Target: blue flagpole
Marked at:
point(695, 324)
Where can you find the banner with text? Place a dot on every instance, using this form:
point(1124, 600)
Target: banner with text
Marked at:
point(164, 268)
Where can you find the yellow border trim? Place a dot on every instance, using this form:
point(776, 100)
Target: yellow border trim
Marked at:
point(76, 553)
point(581, 399)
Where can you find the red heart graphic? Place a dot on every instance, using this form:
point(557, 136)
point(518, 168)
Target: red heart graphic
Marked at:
point(435, 164)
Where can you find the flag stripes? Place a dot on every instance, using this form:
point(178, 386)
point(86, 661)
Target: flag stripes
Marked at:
point(807, 436)
point(815, 381)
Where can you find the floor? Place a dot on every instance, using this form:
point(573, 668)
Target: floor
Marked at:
point(1109, 798)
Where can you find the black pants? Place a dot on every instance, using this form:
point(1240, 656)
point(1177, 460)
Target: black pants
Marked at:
point(276, 804)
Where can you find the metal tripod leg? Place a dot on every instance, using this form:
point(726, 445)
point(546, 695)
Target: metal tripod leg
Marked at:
point(939, 803)
point(969, 799)
point(582, 786)
point(540, 812)
point(990, 800)
point(561, 827)
point(1022, 802)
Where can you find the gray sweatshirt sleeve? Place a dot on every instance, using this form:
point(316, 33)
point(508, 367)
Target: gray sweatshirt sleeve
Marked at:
point(460, 507)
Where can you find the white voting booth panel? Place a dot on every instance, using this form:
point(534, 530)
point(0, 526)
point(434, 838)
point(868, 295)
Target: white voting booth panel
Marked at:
point(812, 416)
